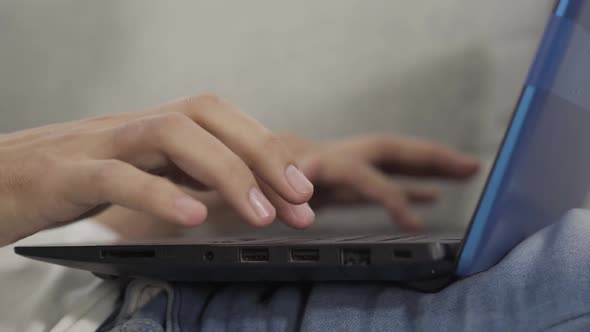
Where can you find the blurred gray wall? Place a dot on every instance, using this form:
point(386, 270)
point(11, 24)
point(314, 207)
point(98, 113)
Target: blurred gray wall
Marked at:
point(449, 70)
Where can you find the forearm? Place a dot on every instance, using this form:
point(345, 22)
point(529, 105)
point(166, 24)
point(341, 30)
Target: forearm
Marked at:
point(134, 225)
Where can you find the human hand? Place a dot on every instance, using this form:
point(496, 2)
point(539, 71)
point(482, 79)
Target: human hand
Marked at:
point(60, 173)
point(363, 169)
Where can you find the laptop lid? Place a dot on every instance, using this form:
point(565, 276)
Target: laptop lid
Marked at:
point(542, 169)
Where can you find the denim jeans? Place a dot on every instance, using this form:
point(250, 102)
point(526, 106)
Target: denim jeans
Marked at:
point(542, 284)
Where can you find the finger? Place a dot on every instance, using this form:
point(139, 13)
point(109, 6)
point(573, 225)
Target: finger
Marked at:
point(152, 142)
point(346, 196)
point(298, 216)
point(262, 151)
point(178, 176)
point(419, 158)
point(116, 182)
point(378, 188)
point(421, 194)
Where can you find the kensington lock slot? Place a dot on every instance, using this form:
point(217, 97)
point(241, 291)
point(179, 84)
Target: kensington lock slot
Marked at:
point(402, 254)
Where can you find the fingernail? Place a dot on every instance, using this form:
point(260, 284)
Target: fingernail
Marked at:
point(303, 213)
point(298, 180)
point(190, 210)
point(260, 204)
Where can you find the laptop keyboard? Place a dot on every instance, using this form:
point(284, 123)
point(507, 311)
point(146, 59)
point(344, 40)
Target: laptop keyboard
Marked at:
point(366, 238)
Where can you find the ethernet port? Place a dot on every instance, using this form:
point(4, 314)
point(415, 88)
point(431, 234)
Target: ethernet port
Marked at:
point(355, 256)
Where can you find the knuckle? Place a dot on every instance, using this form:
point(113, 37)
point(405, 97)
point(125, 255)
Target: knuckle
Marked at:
point(199, 106)
point(199, 103)
point(129, 135)
point(267, 144)
point(141, 130)
point(270, 144)
point(233, 167)
point(206, 99)
point(170, 121)
point(270, 141)
point(162, 126)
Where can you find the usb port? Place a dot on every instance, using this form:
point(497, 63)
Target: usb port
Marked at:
point(254, 255)
point(305, 255)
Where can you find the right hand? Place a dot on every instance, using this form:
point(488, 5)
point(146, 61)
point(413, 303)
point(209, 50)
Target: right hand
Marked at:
point(61, 173)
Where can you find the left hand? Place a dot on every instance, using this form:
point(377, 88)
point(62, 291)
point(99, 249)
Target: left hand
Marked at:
point(363, 169)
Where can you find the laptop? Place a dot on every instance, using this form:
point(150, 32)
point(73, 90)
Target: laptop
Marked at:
point(541, 171)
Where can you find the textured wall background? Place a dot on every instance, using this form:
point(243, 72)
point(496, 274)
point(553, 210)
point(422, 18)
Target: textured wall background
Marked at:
point(450, 70)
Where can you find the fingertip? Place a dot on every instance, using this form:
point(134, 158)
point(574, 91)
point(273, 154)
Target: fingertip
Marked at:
point(266, 221)
point(468, 166)
point(411, 225)
point(264, 212)
point(299, 216)
point(261, 222)
point(300, 227)
point(415, 227)
point(472, 161)
point(407, 219)
point(190, 212)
